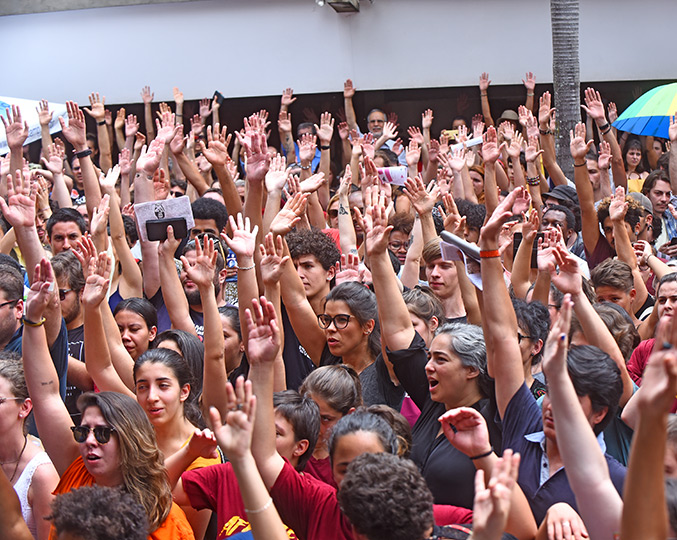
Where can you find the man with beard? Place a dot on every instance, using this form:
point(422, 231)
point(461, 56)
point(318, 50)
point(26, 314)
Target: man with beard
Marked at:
point(71, 281)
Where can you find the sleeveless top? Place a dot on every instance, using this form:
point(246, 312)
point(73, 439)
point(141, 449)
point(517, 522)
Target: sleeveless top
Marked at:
point(22, 486)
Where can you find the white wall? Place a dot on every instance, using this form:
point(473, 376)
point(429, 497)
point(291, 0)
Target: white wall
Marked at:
point(259, 47)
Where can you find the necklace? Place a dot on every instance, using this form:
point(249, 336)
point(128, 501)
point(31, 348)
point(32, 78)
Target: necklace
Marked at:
point(17, 460)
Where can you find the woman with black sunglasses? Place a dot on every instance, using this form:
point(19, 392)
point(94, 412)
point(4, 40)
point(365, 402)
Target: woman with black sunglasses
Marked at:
point(114, 445)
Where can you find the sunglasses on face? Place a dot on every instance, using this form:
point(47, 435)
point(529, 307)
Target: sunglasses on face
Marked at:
point(340, 321)
point(101, 433)
point(63, 293)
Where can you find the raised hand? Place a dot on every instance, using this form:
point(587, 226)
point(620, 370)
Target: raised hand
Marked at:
point(493, 499)
point(99, 222)
point(41, 291)
point(349, 269)
point(672, 130)
point(618, 206)
point(484, 82)
point(178, 96)
point(604, 156)
point(205, 108)
point(312, 183)
point(124, 161)
point(578, 146)
point(661, 372)
point(545, 111)
point(234, 432)
point(146, 95)
point(109, 180)
point(217, 150)
point(257, 158)
point(532, 152)
point(613, 112)
point(466, 429)
point(307, 147)
point(16, 131)
point(433, 150)
point(568, 279)
point(504, 211)
point(343, 130)
point(54, 159)
point(167, 129)
point(287, 98)
point(19, 210)
point(427, 119)
point(416, 135)
point(421, 199)
point(290, 215)
point(444, 144)
point(557, 345)
point(390, 130)
point(243, 242)
point(131, 126)
point(149, 160)
point(202, 269)
point(325, 131)
point(348, 89)
point(376, 222)
point(453, 222)
point(44, 114)
point(413, 153)
point(178, 143)
point(277, 175)
point(97, 104)
point(594, 106)
point(367, 144)
point(263, 331)
point(84, 252)
point(97, 282)
point(272, 259)
point(490, 149)
point(529, 82)
point(397, 147)
point(515, 147)
point(75, 130)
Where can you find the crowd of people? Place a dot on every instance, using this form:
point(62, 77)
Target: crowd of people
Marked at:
point(485, 348)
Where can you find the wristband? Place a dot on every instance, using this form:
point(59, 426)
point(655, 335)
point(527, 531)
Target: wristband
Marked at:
point(327, 147)
point(245, 267)
point(83, 153)
point(607, 130)
point(580, 164)
point(545, 131)
point(179, 115)
point(602, 128)
point(307, 167)
point(479, 456)
point(483, 94)
point(264, 507)
point(530, 94)
point(535, 181)
point(32, 324)
point(489, 254)
point(101, 123)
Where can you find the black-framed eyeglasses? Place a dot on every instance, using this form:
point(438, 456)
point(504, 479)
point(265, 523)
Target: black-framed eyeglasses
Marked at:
point(176, 193)
point(101, 433)
point(395, 246)
point(520, 337)
point(332, 213)
point(8, 303)
point(3, 399)
point(63, 293)
point(555, 306)
point(340, 321)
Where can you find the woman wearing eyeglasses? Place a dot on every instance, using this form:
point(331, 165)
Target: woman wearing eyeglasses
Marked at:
point(26, 466)
point(115, 443)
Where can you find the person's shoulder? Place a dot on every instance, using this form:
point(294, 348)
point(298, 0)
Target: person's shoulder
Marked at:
point(174, 527)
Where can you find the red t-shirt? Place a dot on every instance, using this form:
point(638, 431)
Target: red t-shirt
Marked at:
point(638, 361)
point(311, 508)
point(215, 487)
point(321, 469)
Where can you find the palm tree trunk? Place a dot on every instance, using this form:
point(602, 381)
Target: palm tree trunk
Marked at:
point(566, 77)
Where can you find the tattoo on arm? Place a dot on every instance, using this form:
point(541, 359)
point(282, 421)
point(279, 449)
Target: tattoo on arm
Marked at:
point(342, 210)
point(47, 383)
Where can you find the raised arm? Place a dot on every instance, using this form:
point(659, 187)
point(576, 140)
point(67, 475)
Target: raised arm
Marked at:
point(579, 148)
point(504, 359)
point(484, 98)
point(53, 162)
point(99, 364)
point(325, 132)
point(645, 511)
point(147, 97)
point(76, 135)
point(172, 290)
point(16, 133)
point(51, 416)
point(348, 94)
point(44, 117)
point(598, 501)
point(397, 331)
point(490, 152)
point(547, 139)
point(595, 108)
point(216, 153)
point(98, 113)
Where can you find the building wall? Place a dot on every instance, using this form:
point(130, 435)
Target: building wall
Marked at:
point(259, 47)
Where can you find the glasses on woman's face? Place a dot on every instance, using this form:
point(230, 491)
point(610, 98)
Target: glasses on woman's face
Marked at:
point(333, 213)
point(101, 433)
point(520, 337)
point(340, 321)
point(396, 245)
point(3, 399)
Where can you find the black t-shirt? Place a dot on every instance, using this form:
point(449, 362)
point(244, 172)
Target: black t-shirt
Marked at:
point(165, 323)
point(449, 473)
point(297, 362)
point(76, 350)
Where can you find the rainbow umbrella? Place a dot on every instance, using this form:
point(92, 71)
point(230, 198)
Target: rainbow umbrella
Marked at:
point(650, 113)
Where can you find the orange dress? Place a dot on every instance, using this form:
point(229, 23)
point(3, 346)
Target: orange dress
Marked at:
point(175, 527)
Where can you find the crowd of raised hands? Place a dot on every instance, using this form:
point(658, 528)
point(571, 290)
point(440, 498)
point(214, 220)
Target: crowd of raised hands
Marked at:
point(513, 322)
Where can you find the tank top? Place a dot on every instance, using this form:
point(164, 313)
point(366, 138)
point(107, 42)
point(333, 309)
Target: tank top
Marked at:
point(23, 484)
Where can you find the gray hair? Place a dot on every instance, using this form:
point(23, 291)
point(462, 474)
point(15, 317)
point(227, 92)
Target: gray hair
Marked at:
point(467, 341)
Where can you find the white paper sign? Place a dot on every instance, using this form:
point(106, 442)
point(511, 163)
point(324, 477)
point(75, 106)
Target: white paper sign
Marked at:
point(169, 208)
point(29, 114)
